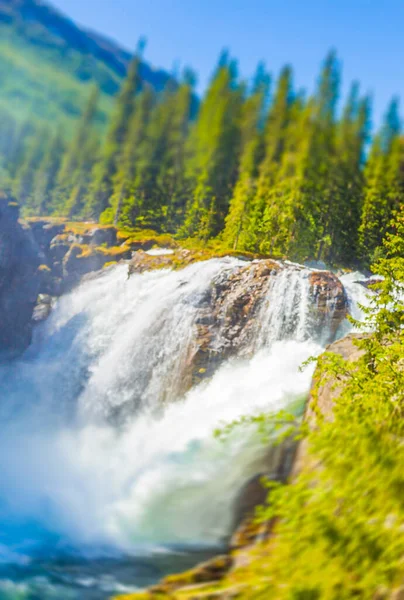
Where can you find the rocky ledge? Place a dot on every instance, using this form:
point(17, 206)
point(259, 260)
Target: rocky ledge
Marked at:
point(54, 255)
point(20, 258)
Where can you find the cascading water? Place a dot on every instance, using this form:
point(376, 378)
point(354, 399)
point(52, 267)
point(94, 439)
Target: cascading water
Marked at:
point(285, 313)
point(103, 455)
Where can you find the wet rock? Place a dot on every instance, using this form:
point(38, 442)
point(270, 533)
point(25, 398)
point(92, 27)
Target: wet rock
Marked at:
point(329, 301)
point(328, 392)
point(20, 258)
point(369, 283)
point(102, 235)
point(211, 571)
point(44, 232)
point(81, 260)
point(43, 308)
point(230, 318)
point(278, 462)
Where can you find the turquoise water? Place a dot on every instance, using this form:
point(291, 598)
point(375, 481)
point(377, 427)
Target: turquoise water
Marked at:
point(74, 578)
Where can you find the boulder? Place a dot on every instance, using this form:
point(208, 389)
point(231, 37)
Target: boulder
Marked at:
point(81, 260)
point(43, 308)
point(102, 235)
point(45, 231)
point(327, 394)
point(229, 318)
point(20, 258)
point(329, 301)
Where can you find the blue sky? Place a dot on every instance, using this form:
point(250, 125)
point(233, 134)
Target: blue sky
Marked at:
point(368, 35)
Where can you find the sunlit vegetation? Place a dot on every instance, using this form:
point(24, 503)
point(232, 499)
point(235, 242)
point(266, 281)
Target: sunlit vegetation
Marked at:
point(260, 168)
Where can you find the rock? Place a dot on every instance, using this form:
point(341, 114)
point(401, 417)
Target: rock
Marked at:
point(102, 235)
point(398, 594)
point(180, 258)
point(278, 462)
point(73, 249)
point(229, 319)
point(368, 283)
point(330, 301)
point(45, 231)
point(20, 258)
point(327, 394)
point(43, 308)
point(211, 571)
point(81, 260)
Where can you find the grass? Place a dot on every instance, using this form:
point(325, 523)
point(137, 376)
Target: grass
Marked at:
point(40, 82)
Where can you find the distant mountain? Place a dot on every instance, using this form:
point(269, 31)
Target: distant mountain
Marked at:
point(48, 63)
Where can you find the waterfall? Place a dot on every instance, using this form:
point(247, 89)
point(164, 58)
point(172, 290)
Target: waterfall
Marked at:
point(285, 313)
point(103, 449)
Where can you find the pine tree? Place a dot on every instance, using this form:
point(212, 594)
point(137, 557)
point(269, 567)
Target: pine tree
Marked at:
point(286, 196)
point(8, 133)
point(45, 177)
point(75, 203)
point(23, 185)
point(237, 232)
point(121, 200)
point(75, 155)
point(106, 167)
point(172, 177)
point(383, 186)
point(146, 200)
point(341, 215)
point(262, 225)
point(212, 168)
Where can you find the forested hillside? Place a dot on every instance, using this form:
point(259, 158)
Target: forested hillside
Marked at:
point(48, 64)
point(262, 165)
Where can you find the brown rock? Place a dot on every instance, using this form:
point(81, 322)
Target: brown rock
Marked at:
point(229, 319)
point(211, 571)
point(326, 395)
point(329, 301)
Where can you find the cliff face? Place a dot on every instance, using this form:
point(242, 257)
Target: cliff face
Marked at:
point(19, 281)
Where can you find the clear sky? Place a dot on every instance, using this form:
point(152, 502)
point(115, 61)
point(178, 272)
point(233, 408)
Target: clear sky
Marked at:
point(368, 35)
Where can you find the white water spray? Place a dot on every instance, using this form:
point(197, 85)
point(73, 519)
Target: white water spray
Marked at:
point(116, 347)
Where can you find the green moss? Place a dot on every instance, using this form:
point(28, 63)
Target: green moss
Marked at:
point(44, 269)
point(110, 264)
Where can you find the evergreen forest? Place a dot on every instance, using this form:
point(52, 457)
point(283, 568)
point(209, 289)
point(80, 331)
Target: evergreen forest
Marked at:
point(258, 165)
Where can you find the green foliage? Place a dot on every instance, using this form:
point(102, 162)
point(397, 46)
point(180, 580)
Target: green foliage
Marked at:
point(284, 176)
point(384, 188)
point(106, 168)
point(214, 149)
point(340, 531)
point(270, 427)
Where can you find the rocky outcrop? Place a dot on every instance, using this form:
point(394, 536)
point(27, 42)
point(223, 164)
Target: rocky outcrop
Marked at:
point(328, 392)
point(210, 571)
point(230, 320)
point(20, 280)
point(329, 301)
point(230, 315)
point(72, 250)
